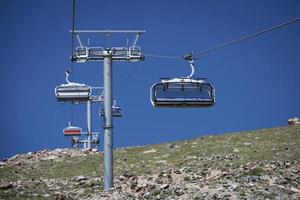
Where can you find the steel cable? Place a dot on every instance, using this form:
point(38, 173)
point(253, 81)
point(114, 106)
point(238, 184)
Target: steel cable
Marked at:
point(229, 43)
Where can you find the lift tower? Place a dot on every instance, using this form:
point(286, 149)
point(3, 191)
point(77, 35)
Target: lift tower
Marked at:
point(108, 55)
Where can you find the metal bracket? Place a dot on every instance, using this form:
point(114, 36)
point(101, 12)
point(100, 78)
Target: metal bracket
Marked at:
point(190, 58)
point(107, 127)
point(132, 53)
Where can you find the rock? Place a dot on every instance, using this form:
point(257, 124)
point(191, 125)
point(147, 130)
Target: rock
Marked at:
point(295, 190)
point(116, 195)
point(118, 187)
point(294, 121)
point(43, 151)
point(178, 191)
point(94, 150)
point(147, 195)
point(149, 151)
point(5, 185)
point(128, 174)
point(164, 186)
point(281, 181)
point(225, 157)
point(52, 157)
point(215, 174)
point(60, 197)
point(253, 178)
point(161, 162)
point(2, 164)
point(188, 158)
point(199, 196)
point(234, 185)
point(177, 171)
point(173, 145)
point(236, 150)
point(15, 157)
point(247, 144)
point(80, 178)
point(57, 151)
point(133, 184)
point(212, 196)
point(85, 151)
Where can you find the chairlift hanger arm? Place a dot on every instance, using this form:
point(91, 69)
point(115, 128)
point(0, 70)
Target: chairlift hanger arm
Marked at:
point(136, 39)
point(190, 58)
point(79, 41)
point(192, 68)
point(67, 72)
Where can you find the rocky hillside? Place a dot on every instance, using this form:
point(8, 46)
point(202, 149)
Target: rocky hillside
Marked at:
point(262, 164)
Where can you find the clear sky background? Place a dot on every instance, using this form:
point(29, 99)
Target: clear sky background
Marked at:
point(257, 81)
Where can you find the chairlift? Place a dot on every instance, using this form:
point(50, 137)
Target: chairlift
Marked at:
point(131, 53)
point(82, 52)
point(119, 51)
point(73, 92)
point(75, 140)
point(183, 92)
point(95, 52)
point(135, 54)
point(95, 139)
point(117, 111)
point(72, 130)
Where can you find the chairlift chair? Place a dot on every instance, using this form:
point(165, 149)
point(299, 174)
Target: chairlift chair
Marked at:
point(119, 51)
point(183, 92)
point(73, 92)
point(72, 130)
point(135, 54)
point(81, 54)
point(117, 111)
point(75, 140)
point(95, 52)
point(95, 140)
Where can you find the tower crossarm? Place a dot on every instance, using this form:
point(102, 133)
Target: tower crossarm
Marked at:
point(89, 53)
point(86, 54)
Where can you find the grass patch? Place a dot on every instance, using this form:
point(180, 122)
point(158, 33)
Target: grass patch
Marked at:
point(257, 171)
point(194, 156)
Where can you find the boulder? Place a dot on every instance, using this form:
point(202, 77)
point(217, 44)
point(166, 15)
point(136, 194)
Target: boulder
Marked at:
point(294, 121)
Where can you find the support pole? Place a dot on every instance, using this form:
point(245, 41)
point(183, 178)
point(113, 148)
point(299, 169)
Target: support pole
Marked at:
point(89, 124)
point(108, 123)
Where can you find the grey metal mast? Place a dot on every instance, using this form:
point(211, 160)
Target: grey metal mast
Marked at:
point(108, 123)
point(108, 55)
point(89, 124)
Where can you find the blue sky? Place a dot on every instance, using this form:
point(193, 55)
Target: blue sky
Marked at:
point(256, 81)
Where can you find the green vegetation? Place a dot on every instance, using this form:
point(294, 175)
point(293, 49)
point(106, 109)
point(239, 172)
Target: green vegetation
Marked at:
point(267, 144)
point(198, 157)
point(257, 171)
